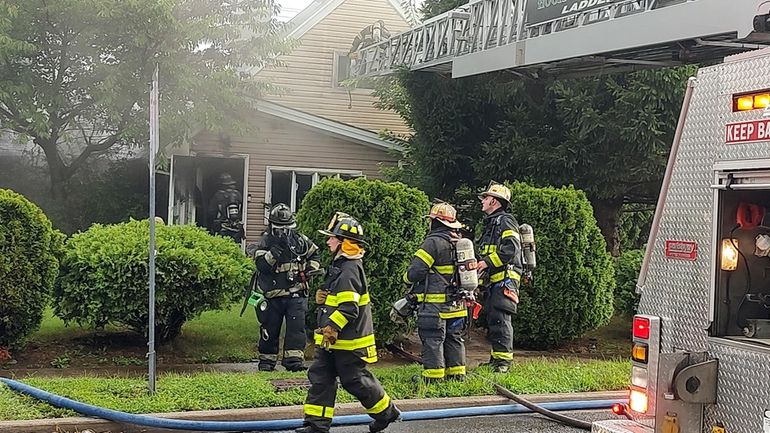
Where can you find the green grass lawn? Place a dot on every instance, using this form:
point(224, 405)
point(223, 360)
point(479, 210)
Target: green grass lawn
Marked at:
point(219, 336)
point(215, 336)
point(239, 390)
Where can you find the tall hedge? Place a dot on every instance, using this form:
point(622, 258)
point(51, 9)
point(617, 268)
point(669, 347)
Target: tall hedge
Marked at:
point(28, 267)
point(627, 268)
point(392, 217)
point(573, 284)
point(104, 276)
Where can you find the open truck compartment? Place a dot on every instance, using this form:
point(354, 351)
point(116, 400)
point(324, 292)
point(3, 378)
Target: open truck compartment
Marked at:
point(742, 284)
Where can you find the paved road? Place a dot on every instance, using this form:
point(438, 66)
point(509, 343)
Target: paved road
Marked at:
point(526, 423)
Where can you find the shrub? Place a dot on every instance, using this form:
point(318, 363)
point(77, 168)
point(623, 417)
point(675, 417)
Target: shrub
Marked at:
point(635, 223)
point(104, 276)
point(627, 268)
point(572, 288)
point(29, 249)
point(392, 217)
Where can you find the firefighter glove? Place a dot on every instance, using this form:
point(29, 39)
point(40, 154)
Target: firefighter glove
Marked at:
point(277, 251)
point(320, 296)
point(251, 249)
point(329, 336)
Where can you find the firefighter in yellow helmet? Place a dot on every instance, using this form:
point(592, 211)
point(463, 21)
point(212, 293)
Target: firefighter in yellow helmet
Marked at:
point(345, 335)
point(500, 269)
point(441, 312)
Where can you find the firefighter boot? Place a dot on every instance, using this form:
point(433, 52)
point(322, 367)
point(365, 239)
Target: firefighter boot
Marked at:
point(309, 429)
point(265, 365)
point(501, 368)
point(381, 424)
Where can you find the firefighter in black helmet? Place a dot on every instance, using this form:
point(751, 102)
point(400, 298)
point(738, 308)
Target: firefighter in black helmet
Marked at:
point(285, 260)
point(500, 271)
point(441, 314)
point(225, 210)
point(345, 335)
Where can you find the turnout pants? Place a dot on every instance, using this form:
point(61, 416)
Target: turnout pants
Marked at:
point(443, 349)
point(499, 314)
point(354, 378)
point(293, 310)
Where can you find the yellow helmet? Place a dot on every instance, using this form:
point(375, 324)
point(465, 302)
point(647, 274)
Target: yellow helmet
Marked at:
point(498, 191)
point(345, 226)
point(446, 214)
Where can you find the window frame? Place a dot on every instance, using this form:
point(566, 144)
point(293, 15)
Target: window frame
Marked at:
point(315, 172)
point(336, 76)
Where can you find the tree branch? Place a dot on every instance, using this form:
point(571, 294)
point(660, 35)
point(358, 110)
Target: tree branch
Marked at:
point(101, 146)
point(91, 149)
point(17, 123)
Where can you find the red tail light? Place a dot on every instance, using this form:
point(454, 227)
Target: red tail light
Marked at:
point(641, 327)
point(618, 409)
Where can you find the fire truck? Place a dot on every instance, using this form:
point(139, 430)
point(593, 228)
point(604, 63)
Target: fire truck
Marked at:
point(701, 340)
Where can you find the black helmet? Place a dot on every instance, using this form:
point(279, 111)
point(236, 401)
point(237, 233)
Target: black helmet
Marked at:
point(280, 216)
point(345, 226)
point(226, 179)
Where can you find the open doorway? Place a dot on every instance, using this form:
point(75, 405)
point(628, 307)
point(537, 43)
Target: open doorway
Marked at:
point(195, 180)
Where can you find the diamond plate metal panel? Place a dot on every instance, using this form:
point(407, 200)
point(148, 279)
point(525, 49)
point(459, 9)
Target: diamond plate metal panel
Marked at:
point(687, 216)
point(738, 77)
point(621, 426)
point(743, 388)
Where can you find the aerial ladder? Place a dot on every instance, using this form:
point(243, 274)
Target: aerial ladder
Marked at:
point(569, 37)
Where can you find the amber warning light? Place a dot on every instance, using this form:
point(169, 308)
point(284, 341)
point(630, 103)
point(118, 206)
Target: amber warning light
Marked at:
point(751, 101)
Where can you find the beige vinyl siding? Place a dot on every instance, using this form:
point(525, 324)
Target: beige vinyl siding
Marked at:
point(308, 75)
point(287, 144)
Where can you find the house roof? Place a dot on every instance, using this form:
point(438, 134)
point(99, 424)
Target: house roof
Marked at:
point(316, 11)
point(330, 127)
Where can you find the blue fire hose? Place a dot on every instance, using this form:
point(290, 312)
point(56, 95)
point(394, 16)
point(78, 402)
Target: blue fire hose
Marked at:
point(268, 425)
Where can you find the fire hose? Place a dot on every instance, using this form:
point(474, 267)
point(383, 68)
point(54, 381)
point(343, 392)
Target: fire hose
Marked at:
point(284, 424)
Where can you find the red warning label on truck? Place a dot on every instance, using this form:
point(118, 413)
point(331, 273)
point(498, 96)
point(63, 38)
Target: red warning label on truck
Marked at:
point(683, 250)
point(746, 132)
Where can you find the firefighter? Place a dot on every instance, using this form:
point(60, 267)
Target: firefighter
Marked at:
point(284, 259)
point(225, 210)
point(441, 312)
point(499, 270)
point(345, 335)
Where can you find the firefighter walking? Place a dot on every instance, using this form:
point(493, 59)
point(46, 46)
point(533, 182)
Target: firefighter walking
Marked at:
point(345, 338)
point(441, 312)
point(284, 259)
point(500, 268)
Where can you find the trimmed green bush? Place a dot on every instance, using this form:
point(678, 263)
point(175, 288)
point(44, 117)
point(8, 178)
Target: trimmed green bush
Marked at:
point(104, 276)
point(29, 247)
point(627, 268)
point(573, 283)
point(392, 217)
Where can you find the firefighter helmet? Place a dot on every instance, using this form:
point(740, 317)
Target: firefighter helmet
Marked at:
point(498, 191)
point(345, 226)
point(446, 214)
point(281, 216)
point(226, 179)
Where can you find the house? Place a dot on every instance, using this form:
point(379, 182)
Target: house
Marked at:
point(317, 129)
